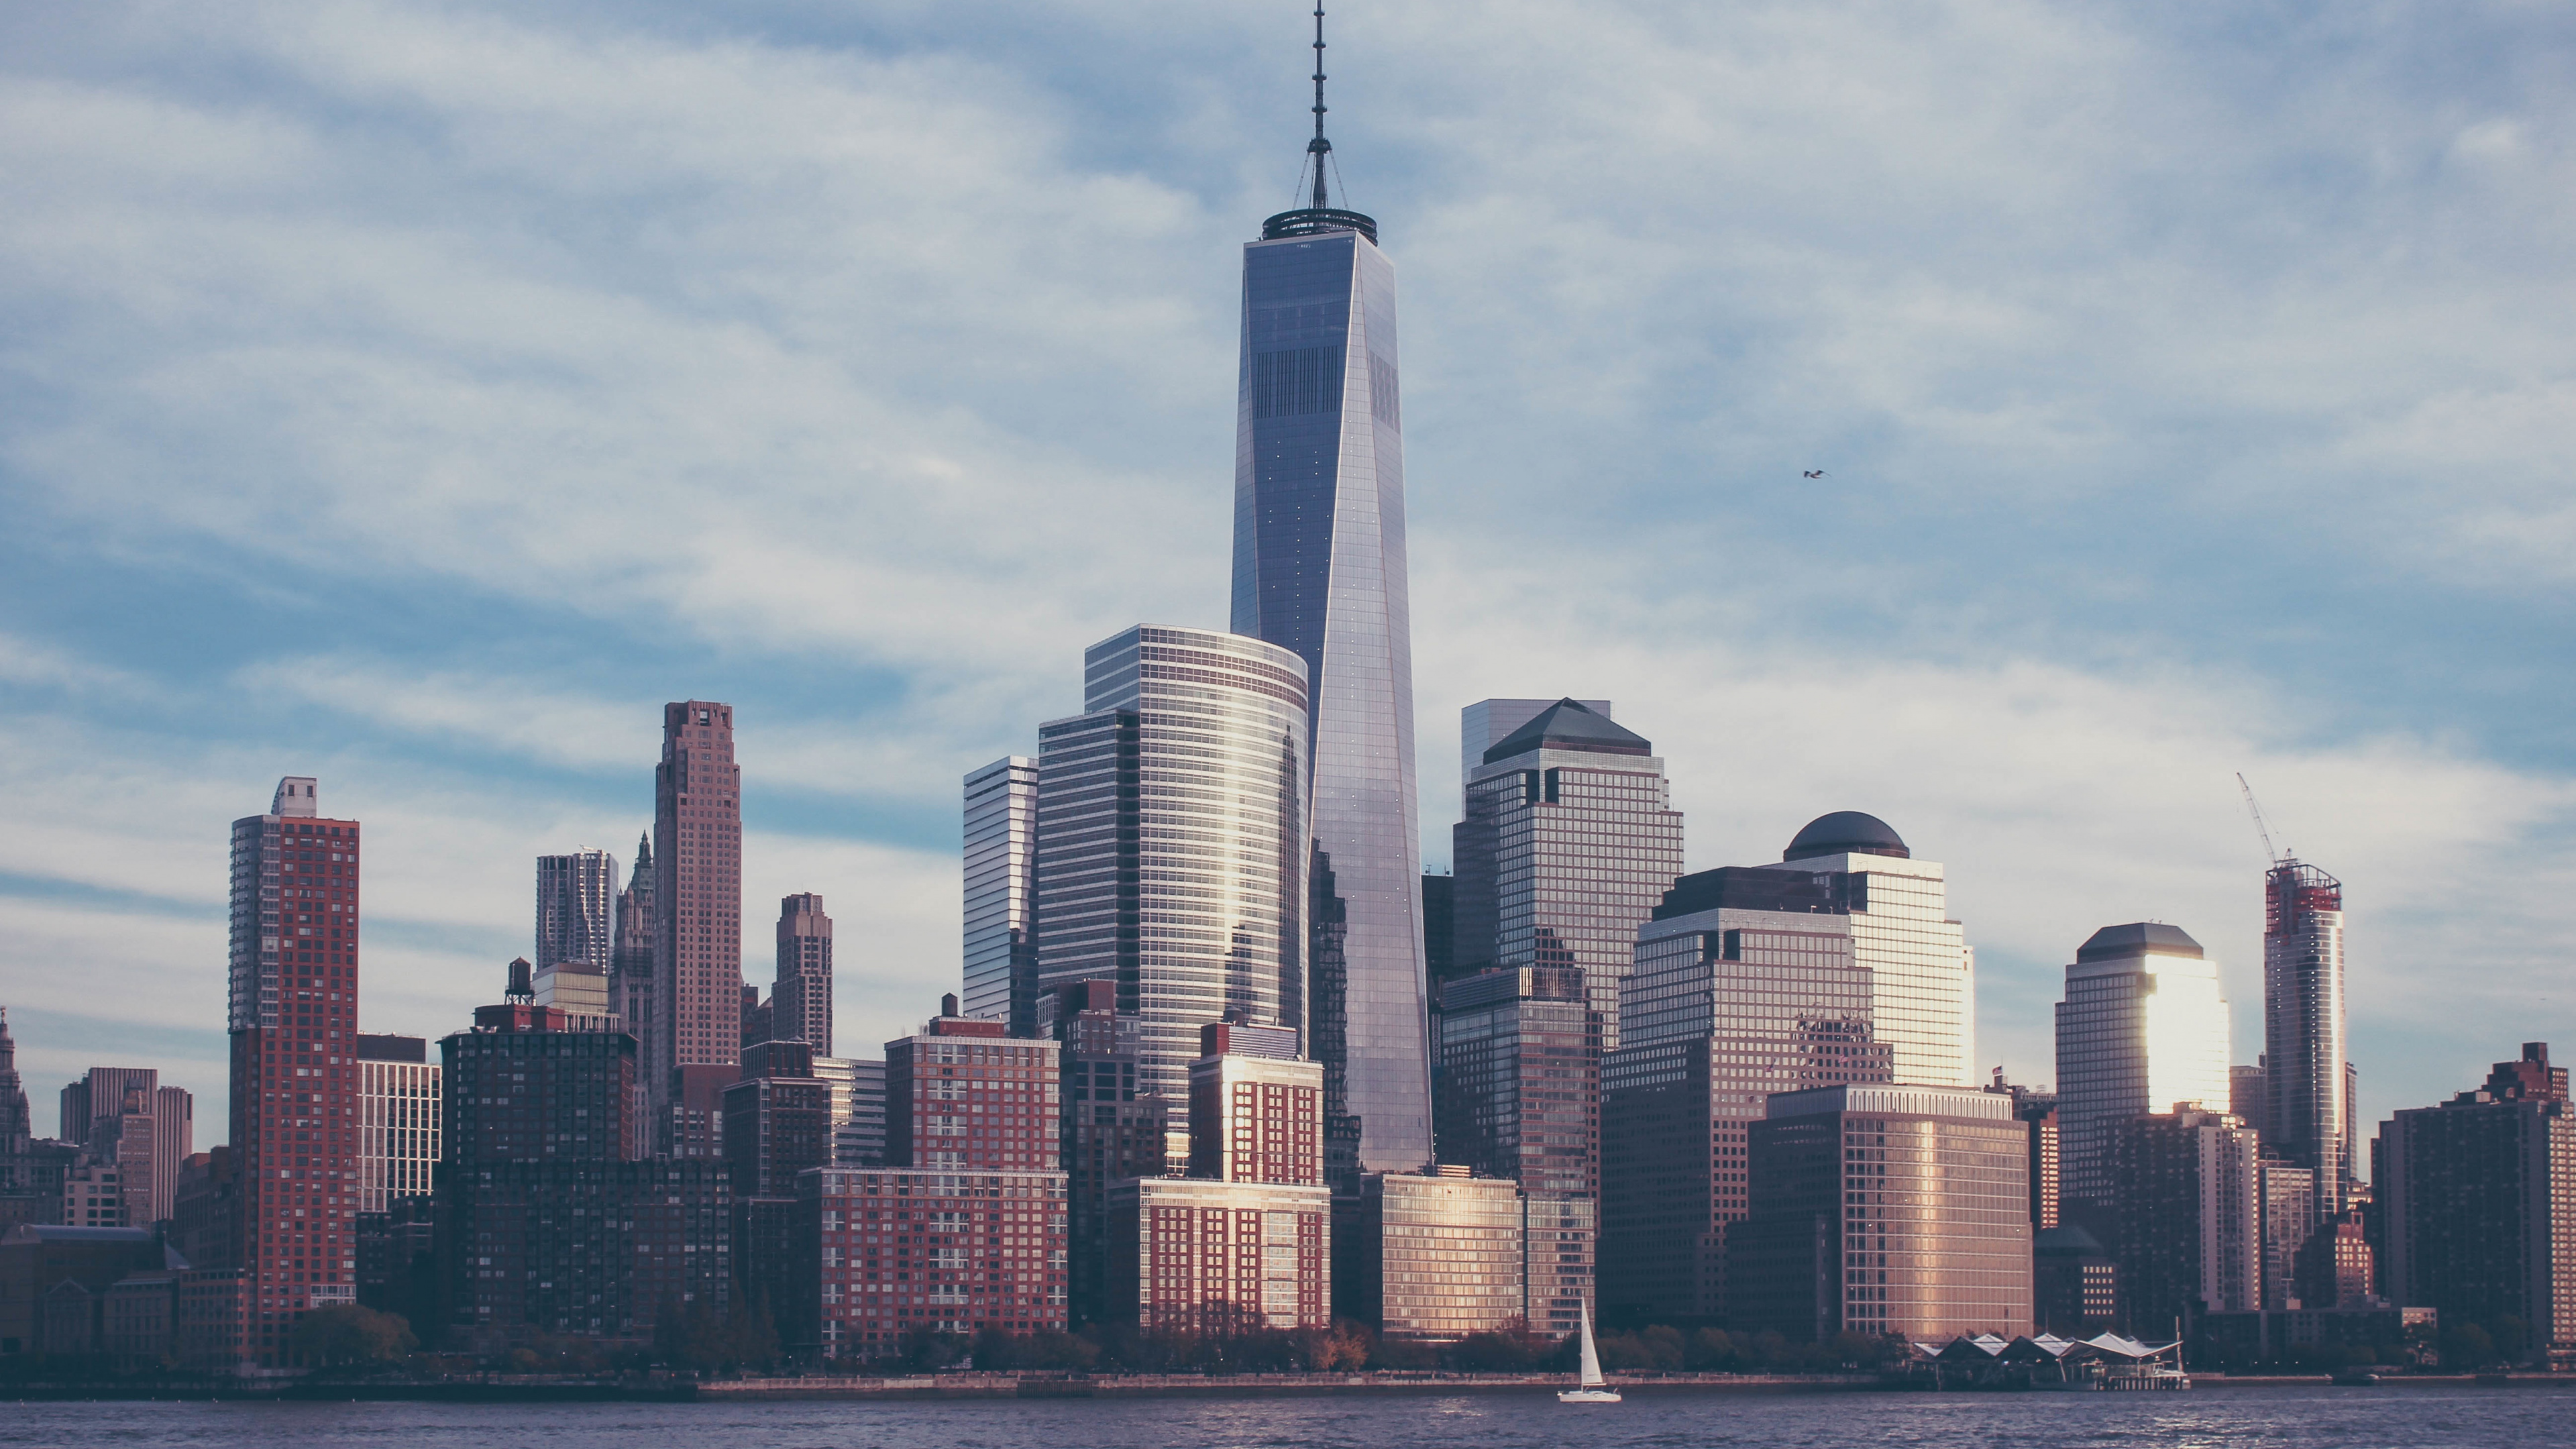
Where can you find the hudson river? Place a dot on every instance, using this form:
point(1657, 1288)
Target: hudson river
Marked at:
point(2233, 1418)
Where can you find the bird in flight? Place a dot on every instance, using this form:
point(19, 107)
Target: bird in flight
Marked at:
point(1815, 472)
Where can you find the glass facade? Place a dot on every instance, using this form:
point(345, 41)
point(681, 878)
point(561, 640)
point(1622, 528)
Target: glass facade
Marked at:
point(1171, 841)
point(1001, 860)
point(1748, 985)
point(1886, 1209)
point(1923, 979)
point(400, 1118)
point(1433, 1256)
point(2142, 1029)
point(1568, 845)
point(1319, 569)
point(2308, 1112)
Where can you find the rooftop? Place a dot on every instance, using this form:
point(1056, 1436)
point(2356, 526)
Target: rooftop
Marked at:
point(1569, 724)
point(2138, 938)
point(1846, 832)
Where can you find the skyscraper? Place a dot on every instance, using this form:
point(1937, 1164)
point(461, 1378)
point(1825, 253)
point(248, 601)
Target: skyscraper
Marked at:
point(400, 1117)
point(696, 1032)
point(1001, 883)
point(577, 909)
point(1319, 568)
point(1570, 841)
point(294, 1022)
point(1923, 976)
point(1171, 840)
point(2308, 1116)
point(801, 997)
point(1745, 986)
point(2142, 1029)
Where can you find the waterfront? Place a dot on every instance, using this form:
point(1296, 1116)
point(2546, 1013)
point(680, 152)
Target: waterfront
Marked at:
point(2290, 1418)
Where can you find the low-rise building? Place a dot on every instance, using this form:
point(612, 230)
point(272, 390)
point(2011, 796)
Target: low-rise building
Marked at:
point(1433, 1255)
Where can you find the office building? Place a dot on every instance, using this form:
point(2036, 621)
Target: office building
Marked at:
point(293, 1018)
point(1520, 1098)
point(1001, 893)
point(123, 1115)
point(1487, 722)
point(577, 910)
point(94, 1197)
point(1244, 1241)
point(2075, 1284)
point(2188, 1219)
point(2142, 1029)
point(2285, 1215)
point(1570, 841)
point(1110, 1131)
point(1885, 1209)
point(32, 1169)
point(2309, 1111)
point(551, 1221)
point(801, 994)
point(1431, 1256)
point(1439, 931)
point(1319, 569)
point(400, 1115)
point(964, 1229)
point(1923, 976)
point(2478, 1201)
point(581, 993)
point(1171, 840)
point(694, 1041)
point(778, 1123)
point(858, 1109)
point(1745, 985)
point(2249, 1098)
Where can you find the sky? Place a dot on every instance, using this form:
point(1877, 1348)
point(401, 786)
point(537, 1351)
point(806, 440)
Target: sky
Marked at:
point(418, 396)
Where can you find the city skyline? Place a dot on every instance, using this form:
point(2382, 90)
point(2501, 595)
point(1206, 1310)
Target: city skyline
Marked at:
point(2069, 815)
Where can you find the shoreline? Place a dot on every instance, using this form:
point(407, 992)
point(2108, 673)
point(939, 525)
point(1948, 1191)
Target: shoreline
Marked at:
point(966, 1387)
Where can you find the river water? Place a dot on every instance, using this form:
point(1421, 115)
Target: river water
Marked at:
point(2400, 1418)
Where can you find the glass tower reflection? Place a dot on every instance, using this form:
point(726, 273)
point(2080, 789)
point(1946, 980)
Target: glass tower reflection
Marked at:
point(1319, 568)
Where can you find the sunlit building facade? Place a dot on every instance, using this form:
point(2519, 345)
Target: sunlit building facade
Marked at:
point(1922, 974)
point(1001, 881)
point(2143, 1029)
point(399, 1120)
point(1172, 841)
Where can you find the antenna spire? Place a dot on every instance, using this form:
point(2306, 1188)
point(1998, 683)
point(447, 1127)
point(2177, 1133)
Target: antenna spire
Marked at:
point(1319, 148)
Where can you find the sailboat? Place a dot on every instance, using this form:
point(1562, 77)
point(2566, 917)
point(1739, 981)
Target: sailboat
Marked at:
point(1595, 1389)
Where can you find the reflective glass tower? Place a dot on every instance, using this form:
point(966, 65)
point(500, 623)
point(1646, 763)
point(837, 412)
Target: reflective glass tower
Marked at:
point(1319, 568)
point(1171, 841)
point(2143, 1029)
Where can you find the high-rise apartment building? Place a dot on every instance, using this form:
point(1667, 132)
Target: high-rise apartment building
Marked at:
point(1319, 569)
point(694, 1040)
point(1171, 840)
point(2142, 1029)
point(1520, 1098)
point(1570, 841)
point(551, 1220)
point(2188, 1219)
point(1001, 893)
point(2308, 1117)
point(1745, 985)
point(964, 1228)
point(1922, 974)
point(1884, 1210)
point(293, 987)
point(2478, 1204)
point(1244, 1241)
point(1112, 1130)
point(2285, 1215)
point(399, 1119)
point(801, 996)
point(577, 909)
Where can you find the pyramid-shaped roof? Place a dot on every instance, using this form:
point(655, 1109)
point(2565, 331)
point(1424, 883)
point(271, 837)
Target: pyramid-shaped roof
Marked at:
point(1568, 725)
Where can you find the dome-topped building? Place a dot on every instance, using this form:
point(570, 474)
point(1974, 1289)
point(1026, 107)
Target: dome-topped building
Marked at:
point(1923, 975)
point(1846, 832)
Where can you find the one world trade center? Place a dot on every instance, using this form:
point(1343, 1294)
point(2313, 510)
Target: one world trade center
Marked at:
point(1319, 567)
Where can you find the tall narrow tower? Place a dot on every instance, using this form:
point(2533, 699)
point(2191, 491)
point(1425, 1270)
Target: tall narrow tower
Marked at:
point(696, 1037)
point(1319, 568)
point(2303, 1063)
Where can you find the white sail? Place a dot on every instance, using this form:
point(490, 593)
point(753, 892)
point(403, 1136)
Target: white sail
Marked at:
point(1591, 1356)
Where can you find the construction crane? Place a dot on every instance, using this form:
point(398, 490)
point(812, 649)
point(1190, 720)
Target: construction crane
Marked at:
point(2275, 856)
